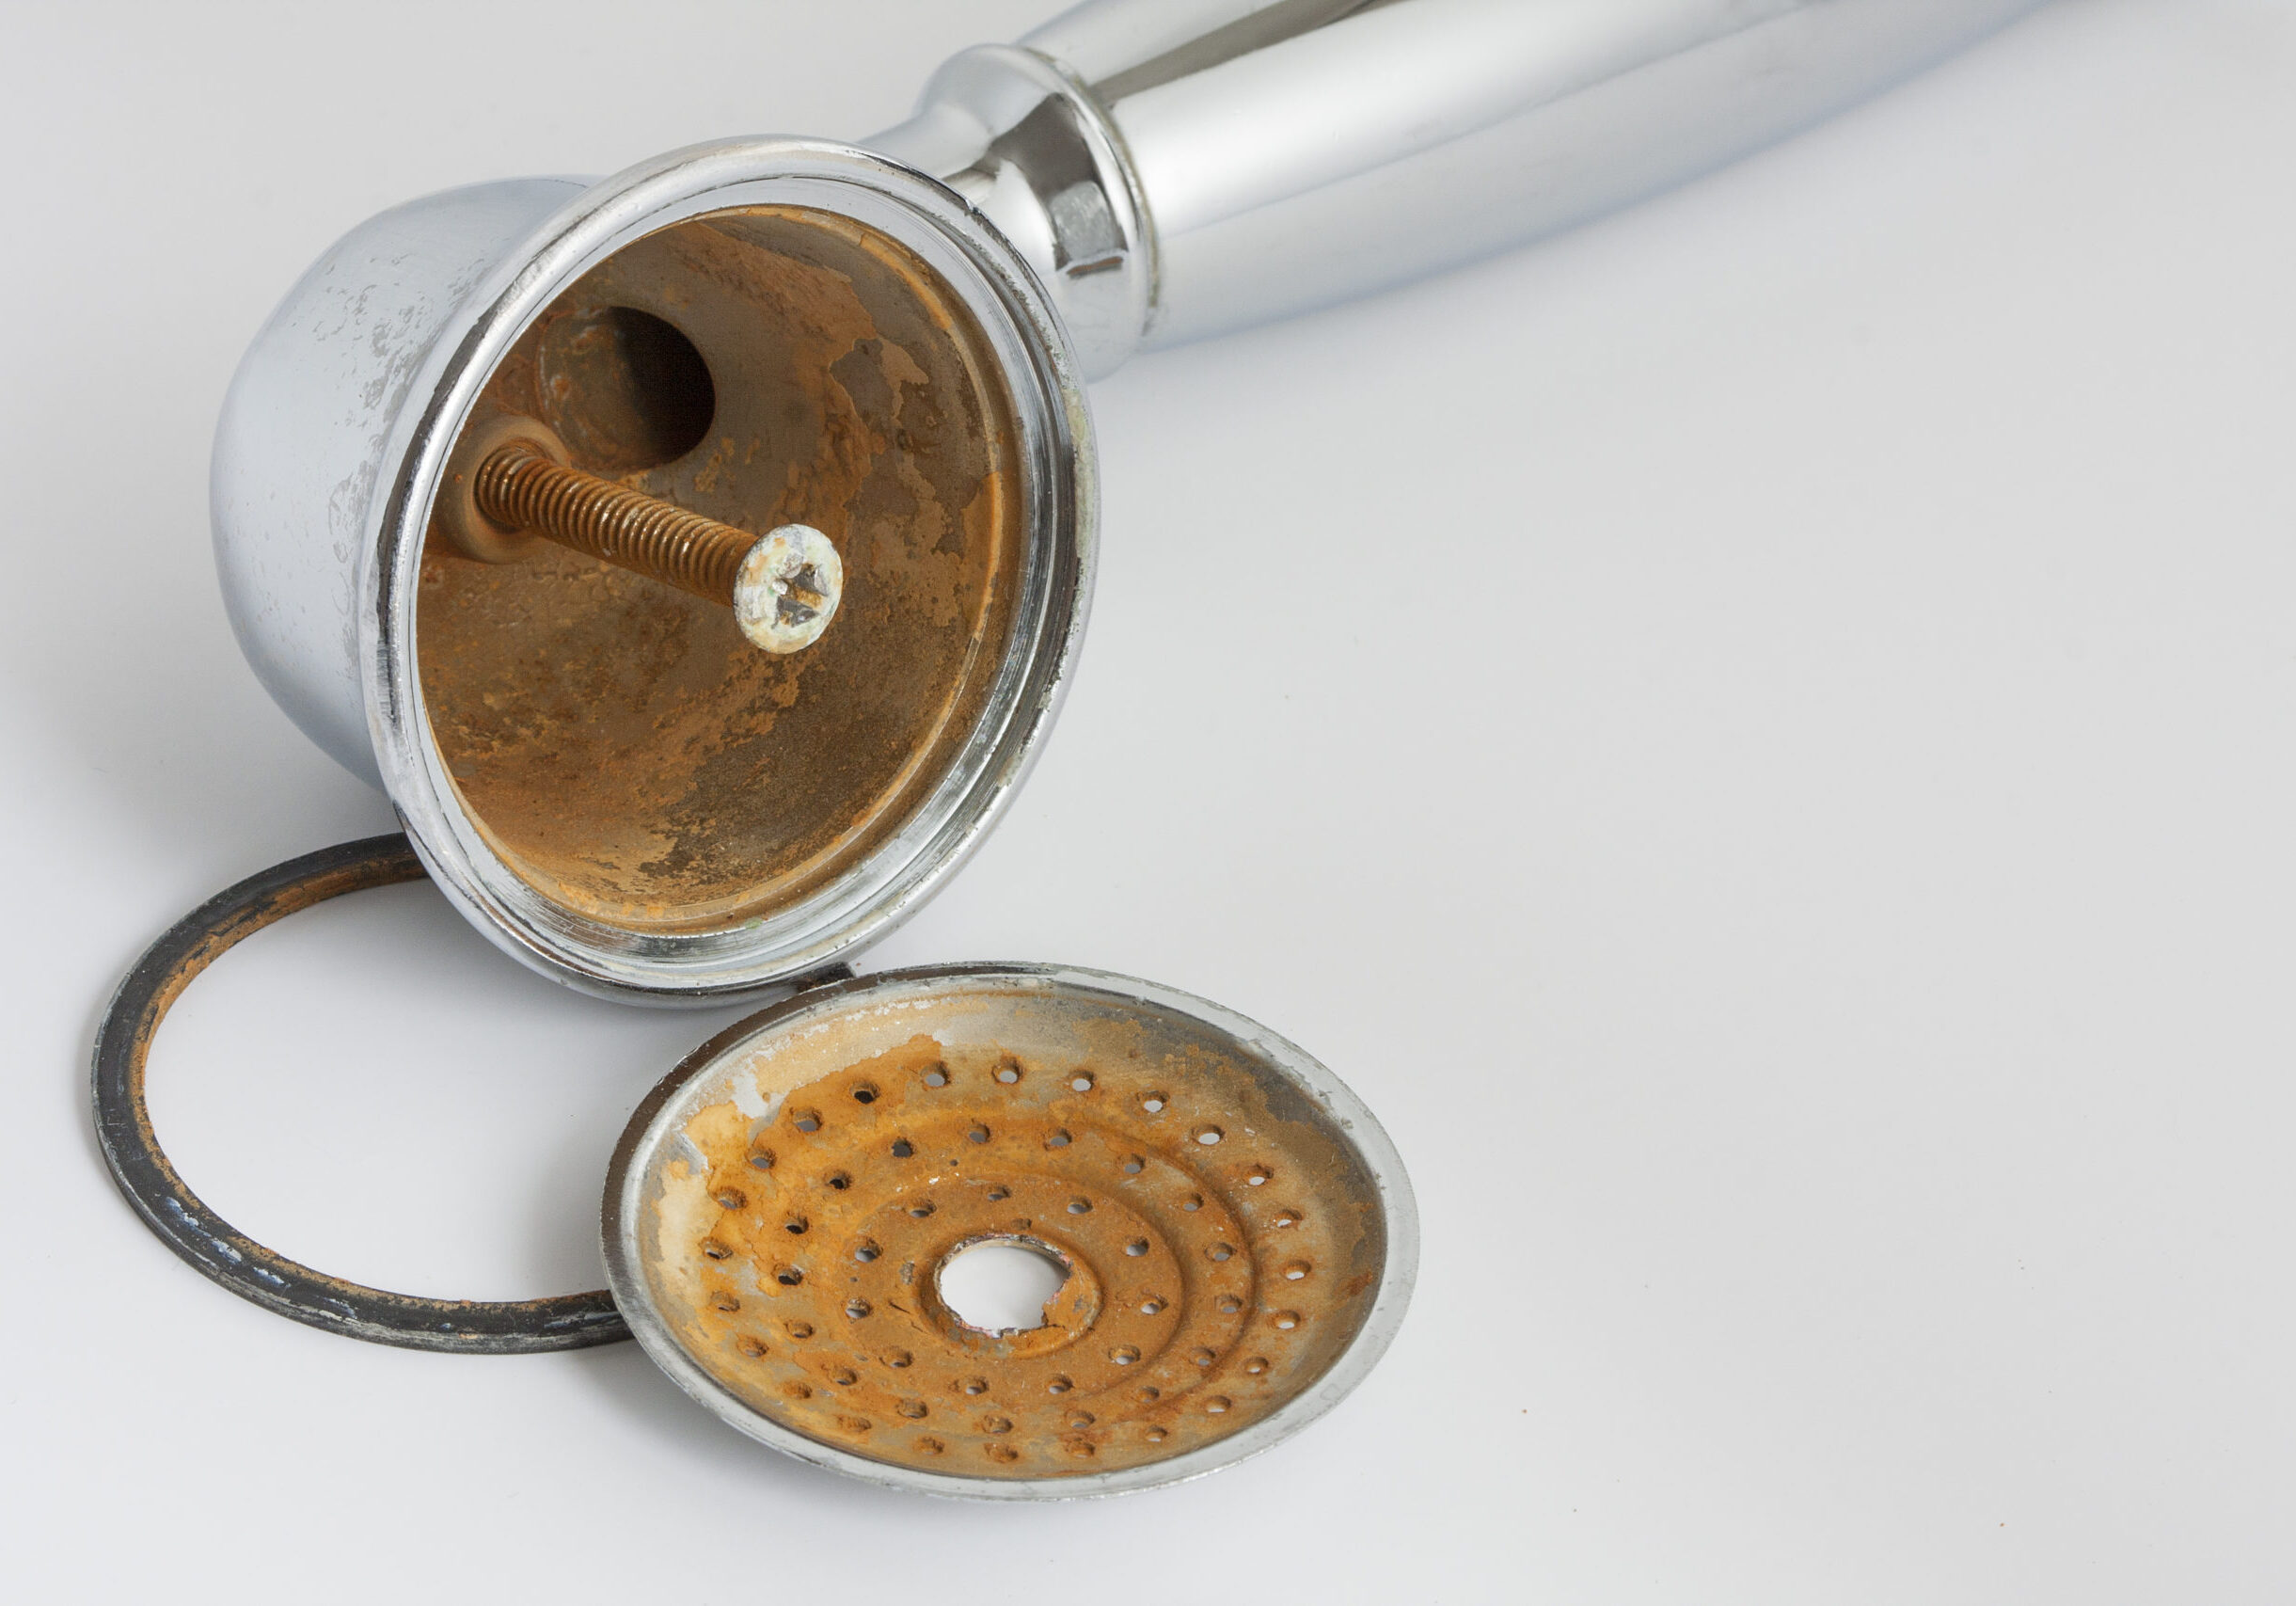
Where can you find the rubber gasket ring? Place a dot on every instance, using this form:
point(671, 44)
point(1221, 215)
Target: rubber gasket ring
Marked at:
point(212, 1245)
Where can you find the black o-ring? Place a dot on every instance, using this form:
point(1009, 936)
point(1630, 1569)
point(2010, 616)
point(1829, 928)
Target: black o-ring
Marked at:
point(212, 1245)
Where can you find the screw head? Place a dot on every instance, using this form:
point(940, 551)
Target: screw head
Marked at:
point(787, 589)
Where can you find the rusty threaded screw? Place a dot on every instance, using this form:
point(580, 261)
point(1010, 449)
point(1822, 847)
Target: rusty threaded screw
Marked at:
point(782, 586)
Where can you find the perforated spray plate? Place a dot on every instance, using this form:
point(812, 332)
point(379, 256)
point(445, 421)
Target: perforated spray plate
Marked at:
point(1236, 1232)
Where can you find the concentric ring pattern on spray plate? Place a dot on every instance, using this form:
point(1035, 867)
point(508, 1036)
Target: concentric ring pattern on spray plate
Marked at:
point(1234, 1233)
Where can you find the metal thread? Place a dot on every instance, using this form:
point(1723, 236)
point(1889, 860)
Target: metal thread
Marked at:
point(518, 487)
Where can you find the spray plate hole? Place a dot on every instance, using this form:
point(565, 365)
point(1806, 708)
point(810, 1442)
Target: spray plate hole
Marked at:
point(1001, 1286)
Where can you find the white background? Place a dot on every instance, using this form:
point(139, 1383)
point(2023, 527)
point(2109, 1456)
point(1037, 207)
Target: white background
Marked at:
point(1817, 910)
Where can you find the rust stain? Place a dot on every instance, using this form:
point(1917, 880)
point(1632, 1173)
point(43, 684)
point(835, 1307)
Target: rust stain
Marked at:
point(619, 743)
point(794, 1252)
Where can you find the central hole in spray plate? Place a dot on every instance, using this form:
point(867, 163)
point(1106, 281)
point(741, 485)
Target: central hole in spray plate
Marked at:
point(1001, 1286)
